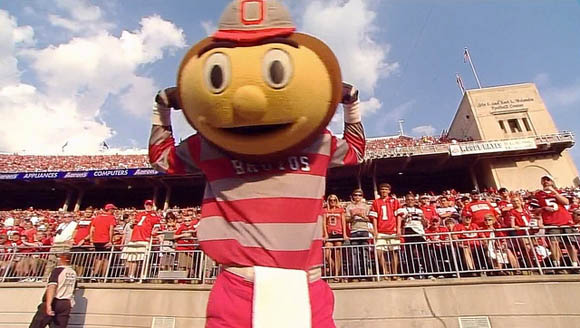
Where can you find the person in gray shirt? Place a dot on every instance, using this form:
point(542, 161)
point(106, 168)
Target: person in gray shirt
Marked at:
point(357, 217)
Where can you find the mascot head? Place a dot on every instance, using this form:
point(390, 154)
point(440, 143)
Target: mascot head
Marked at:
point(257, 89)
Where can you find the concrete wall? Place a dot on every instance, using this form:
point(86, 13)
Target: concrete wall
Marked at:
point(503, 103)
point(527, 301)
point(526, 172)
point(464, 124)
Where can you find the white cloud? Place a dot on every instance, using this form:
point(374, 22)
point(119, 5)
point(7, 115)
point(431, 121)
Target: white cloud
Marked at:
point(388, 122)
point(542, 79)
point(37, 124)
point(564, 96)
point(11, 37)
point(424, 130)
point(209, 27)
point(81, 17)
point(74, 81)
point(557, 97)
point(349, 27)
point(370, 106)
point(137, 99)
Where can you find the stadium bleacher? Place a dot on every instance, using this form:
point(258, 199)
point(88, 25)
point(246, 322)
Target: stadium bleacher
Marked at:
point(26, 238)
point(13, 163)
point(27, 235)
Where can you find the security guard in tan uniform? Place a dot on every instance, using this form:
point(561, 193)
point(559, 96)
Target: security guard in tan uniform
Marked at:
point(57, 301)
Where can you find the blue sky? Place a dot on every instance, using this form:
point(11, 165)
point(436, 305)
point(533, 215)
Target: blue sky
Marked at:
point(86, 72)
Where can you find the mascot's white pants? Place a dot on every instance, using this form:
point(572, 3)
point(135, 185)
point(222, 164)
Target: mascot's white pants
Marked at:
point(269, 297)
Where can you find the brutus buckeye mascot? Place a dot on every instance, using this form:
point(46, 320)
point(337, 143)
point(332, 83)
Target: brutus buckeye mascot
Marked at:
point(260, 97)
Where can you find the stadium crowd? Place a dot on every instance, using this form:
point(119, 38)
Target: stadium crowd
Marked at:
point(414, 235)
point(128, 231)
point(377, 148)
point(35, 163)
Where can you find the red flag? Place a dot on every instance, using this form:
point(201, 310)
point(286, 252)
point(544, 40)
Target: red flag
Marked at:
point(459, 82)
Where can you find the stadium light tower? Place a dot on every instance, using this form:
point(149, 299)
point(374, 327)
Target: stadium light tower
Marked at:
point(401, 132)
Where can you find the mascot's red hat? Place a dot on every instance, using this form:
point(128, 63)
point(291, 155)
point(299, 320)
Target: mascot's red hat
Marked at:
point(254, 20)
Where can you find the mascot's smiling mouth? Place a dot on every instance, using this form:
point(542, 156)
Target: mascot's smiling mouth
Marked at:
point(258, 129)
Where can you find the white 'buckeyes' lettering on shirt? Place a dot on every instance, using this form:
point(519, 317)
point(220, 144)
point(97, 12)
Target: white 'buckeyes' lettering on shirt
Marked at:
point(292, 163)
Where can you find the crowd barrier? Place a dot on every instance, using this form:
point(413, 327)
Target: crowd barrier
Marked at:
point(427, 256)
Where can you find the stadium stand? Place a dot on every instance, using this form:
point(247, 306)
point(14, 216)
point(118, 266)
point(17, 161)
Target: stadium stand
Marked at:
point(36, 163)
point(448, 244)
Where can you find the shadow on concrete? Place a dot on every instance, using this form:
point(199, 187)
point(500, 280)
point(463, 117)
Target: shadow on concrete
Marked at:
point(79, 311)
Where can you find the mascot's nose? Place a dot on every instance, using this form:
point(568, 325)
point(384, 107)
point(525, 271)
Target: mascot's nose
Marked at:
point(250, 103)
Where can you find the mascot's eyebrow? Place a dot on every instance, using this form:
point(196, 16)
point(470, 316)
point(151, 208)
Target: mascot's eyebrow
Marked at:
point(286, 41)
point(229, 44)
point(218, 44)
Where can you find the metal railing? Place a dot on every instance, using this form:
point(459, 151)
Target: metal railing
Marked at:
point(427, 256)
point(457, 255)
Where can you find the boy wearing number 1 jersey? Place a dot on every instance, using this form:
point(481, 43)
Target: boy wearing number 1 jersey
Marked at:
point(387, 228)
point(146, 222)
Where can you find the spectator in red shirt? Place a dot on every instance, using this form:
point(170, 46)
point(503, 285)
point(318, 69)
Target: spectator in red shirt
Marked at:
point(470, 234)
point(551, 207)
point(147, 223)
point(4, 254)
point(575, 209)
point(29, 231)
point(440, 258)
point(429, 209)
point(101, 237)
point(185, 241)
point(496, 246)
point(387, 229)
point(21, 263)
point(81, 242)
point(505, 206)
point(334, 233)
point(478, 209)
point(521, 218)
point(82, 237)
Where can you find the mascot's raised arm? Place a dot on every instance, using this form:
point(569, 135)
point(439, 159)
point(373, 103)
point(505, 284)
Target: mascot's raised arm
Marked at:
point(260, 96)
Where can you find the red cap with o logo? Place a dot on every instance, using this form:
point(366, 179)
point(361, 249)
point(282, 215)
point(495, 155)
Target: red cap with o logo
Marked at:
point(254, 20)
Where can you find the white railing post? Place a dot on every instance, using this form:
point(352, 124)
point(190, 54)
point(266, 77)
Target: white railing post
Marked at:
point(7, 269)
point(108, 268)
point(377, 261)
point(454, 255)
point(145, 266)
point(533, 249)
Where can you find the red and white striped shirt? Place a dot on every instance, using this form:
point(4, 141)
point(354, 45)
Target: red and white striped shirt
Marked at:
point(260, 214)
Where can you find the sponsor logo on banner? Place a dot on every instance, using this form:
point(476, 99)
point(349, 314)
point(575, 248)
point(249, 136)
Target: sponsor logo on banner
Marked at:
point(111, 173)
point(145, 172)
point(76, 175)
point(41, 175)
point(9, 176)
point(482, 147)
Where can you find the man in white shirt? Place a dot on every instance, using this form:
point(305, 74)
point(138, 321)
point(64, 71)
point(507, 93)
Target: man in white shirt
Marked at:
point(65, 231)
point(414, 223)
point(62, 241)
point(447, 209)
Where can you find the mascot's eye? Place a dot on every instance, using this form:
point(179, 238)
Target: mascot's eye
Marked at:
point(217, 72)
point(277, 68)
